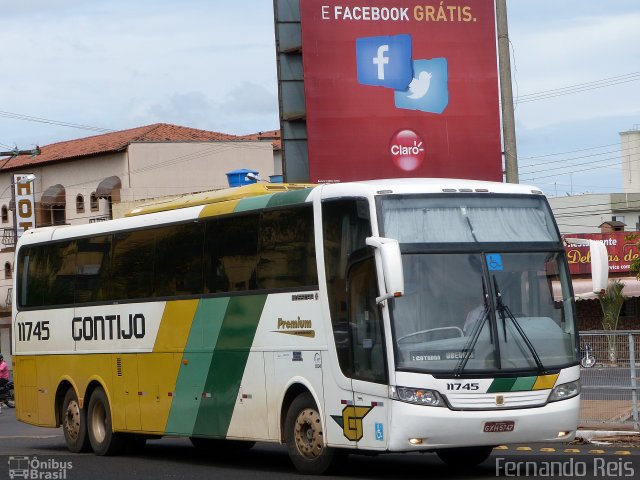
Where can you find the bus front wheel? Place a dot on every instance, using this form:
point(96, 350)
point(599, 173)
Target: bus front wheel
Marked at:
point(304, 437)
point(101, 435)
point(464, 457)
point(74, 423)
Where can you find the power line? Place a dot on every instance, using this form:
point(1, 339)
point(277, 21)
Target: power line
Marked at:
point(29, 118)
point(580, 87)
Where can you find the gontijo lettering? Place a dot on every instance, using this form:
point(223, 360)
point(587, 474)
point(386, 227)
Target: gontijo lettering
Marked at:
point(108, 327)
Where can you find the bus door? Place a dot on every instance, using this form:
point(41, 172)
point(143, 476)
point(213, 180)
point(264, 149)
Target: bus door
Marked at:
point(369, 369)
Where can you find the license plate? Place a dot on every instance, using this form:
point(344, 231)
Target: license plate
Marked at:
point(498, 427)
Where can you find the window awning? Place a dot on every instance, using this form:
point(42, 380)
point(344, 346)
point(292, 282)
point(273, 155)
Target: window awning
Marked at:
point(54, 195)
point(109, 187)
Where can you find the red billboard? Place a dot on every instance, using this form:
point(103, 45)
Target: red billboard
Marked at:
point(398, 88)
point(622, 248)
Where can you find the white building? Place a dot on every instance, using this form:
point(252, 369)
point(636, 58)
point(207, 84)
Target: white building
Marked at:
point(80, 181)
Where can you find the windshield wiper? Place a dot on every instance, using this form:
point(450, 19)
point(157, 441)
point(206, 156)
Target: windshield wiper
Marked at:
point(475, 334)
point(471, 343)
point(504, 311)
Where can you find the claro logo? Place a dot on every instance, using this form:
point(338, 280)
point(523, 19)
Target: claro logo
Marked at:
point(108, 327)
point(407, 150)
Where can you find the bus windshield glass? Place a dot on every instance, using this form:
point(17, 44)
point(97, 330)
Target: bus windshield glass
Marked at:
point(492, 305)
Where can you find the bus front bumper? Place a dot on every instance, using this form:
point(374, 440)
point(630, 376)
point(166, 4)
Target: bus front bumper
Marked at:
point(416, 427)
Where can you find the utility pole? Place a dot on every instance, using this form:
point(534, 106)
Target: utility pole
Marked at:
point(506, 94)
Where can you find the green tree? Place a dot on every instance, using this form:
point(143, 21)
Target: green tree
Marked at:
point(611, 301)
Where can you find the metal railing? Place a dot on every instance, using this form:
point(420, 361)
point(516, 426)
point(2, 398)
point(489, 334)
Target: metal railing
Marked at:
point(609, 375)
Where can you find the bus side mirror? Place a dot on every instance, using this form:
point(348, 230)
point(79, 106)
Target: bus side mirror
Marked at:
point(599, 262)
point(599, 265)
point(391, 258)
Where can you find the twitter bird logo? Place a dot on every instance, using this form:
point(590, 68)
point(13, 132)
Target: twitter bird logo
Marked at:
point(420, 86)
point(429, 89)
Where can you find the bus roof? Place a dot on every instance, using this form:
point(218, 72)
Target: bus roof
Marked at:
point(218, 196)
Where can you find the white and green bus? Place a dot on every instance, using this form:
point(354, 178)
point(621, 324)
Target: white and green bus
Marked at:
point(412, 315)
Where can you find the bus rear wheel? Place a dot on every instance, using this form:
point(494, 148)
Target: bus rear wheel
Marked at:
point(101, 435)
point(464, 457)
point(74, 423)
point(304, 437)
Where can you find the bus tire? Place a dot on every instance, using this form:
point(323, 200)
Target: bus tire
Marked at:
point(305, 438)
point(74, 423)
point(101, 435)
point(464, 457)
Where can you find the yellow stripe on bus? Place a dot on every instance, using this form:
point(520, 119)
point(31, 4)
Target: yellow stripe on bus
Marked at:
point(175, 326)
point(545, 382)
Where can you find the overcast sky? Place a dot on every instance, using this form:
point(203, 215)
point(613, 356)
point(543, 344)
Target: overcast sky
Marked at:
point(211, 64)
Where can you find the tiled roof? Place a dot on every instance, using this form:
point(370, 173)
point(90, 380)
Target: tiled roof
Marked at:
point(115, 142)
point(273, 135)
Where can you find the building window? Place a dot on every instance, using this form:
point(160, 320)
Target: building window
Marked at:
point(7, 270)
point(79, 203)
point(94, 202)
point(5, 214)
point(618, 218)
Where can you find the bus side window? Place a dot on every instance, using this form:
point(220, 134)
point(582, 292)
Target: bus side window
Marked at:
point(132, 265)
point(287, 257)
point(92, 269)
point(231, 249)
point(179, 268)
point(62, 268)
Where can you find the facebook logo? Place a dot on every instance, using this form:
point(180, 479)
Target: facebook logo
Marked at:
point(385, 61)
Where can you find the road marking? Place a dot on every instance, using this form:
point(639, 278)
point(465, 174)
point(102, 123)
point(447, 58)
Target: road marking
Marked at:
point(524, 449)
point(501, 447)
point(571, 450)
point(622, 452)
point(547, 449)
point(597, 452)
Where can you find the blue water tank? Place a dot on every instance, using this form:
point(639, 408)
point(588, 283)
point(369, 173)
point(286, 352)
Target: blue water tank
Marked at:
point(238, 178)
point(275, 178)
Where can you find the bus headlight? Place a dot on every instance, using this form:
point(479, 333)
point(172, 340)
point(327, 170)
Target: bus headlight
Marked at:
point(564, 391)
point(417, 396)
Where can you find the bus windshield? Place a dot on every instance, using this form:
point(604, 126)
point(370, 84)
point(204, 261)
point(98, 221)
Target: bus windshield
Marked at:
point(487, 303)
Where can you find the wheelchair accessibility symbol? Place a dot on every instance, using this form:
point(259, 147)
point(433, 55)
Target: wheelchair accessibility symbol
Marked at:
point(494, 261)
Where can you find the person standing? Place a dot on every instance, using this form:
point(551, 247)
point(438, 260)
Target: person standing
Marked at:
point(4, 371)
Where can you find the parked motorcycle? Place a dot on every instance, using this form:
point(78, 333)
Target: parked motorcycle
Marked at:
point(6, 395)
point(588, 360)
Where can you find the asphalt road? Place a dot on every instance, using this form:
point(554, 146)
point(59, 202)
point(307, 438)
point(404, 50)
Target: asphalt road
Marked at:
point(23, 447)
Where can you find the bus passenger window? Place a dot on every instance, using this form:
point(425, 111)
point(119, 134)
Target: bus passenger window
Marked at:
point(230, 253)
point(178, 268)
point(132, 265)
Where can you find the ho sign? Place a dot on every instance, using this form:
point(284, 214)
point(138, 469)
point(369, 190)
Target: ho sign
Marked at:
point(25, 203)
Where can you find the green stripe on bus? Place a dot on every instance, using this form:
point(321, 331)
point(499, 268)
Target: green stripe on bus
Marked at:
point(289, 198)
point(253, 203)
point(501, 385)
point(523, 384)
point(220, 392)
point(195, 365)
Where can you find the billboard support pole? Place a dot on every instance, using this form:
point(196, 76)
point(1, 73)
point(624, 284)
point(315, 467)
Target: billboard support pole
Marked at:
point(506, 94)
